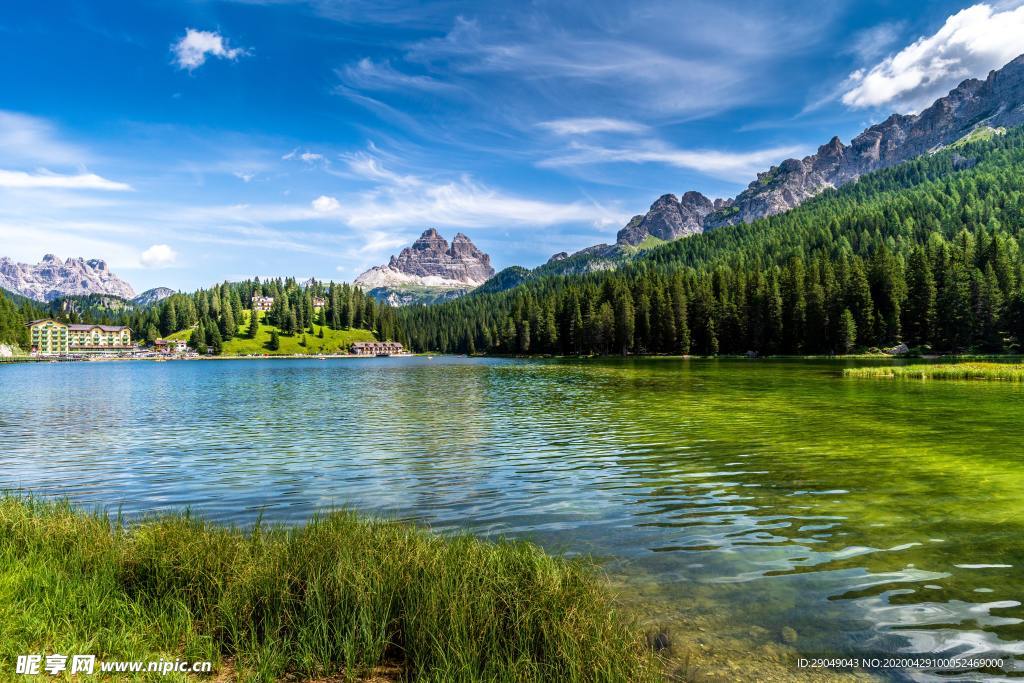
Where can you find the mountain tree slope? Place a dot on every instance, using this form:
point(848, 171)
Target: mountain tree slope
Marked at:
point(928, 252)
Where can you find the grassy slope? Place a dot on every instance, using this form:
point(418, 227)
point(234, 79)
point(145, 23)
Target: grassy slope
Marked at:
point(334, 341)
point(977, 135)
point(340, 595)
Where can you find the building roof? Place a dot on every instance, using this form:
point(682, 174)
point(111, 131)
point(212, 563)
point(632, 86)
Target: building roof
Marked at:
point(105, 328)
point(78, 327)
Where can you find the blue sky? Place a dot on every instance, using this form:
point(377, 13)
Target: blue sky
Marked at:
point(191, 142)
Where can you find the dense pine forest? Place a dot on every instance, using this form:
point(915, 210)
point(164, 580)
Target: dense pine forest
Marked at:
point(214, 315)
point(927, 253)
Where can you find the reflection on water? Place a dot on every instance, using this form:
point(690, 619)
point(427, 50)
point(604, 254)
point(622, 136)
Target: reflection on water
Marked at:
point(870, 517)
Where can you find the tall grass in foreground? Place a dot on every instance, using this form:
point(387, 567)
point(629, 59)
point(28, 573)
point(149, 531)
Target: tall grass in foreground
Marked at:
point(980, 371)
point(338, 596)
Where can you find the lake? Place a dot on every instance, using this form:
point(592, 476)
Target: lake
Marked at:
point(871, 517)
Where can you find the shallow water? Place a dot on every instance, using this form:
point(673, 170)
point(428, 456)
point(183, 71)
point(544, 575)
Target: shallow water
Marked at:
point(872, 517)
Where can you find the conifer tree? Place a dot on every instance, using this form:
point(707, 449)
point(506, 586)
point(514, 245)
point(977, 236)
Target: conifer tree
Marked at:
point(254, 324)
point(847, 332)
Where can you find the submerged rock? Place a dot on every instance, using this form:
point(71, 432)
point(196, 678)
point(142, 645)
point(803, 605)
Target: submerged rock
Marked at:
point(659, 641)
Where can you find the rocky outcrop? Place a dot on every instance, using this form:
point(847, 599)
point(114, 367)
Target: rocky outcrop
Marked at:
point(430, 264)
point(668, 219)
point(152, 296)
point(53, 278)
point(560, 256)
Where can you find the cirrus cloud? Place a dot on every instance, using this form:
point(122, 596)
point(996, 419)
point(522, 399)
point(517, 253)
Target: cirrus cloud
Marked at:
point(45, 180)
point(587, 125)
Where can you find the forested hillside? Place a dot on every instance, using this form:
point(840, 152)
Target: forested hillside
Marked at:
point(213, 316)
point(15, 311)
point(927, 252)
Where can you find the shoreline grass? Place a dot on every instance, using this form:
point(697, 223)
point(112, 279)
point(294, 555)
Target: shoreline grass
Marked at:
point(1005, 372)
point(340, 596)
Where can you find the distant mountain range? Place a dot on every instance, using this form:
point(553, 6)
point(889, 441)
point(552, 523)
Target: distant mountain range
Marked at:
point(428, 271)
point(53, 278)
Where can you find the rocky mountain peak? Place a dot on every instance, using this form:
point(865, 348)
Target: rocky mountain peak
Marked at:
point(431, 262)
point(53, 278)
point(668, 218)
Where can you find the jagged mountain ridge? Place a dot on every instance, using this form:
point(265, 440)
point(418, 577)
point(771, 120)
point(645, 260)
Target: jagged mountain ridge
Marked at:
point(429, 270)
point(997, 101)
point(53, 278)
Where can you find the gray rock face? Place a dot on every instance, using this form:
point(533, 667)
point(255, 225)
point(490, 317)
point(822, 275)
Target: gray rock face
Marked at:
point(429, 266)
point(560, 256)
point(668, 219)
point(998, 101)
point(53, 278)
point(152, 296)
point(430, 255)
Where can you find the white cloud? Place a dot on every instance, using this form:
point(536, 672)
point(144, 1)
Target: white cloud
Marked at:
point(325, 204)
point(190, 51)
point(735, 166)
point(158, 256)
point(244, 176)
point(47, 180)
point(586, 125)
point(969, 44)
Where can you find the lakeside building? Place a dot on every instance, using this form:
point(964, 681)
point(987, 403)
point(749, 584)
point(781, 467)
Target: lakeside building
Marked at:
point(387, 348)
point(171, 346)
point(50, 337)
point(262, 303)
